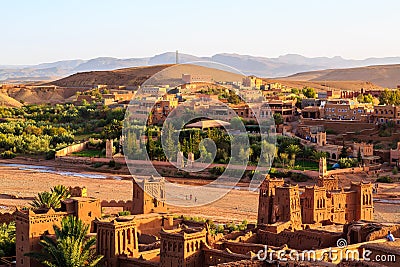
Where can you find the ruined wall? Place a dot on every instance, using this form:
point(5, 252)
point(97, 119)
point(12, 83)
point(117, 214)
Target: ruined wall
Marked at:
point(382, 233)
point(339, 127)
point(213, 257)
point(348, 170)
point(125, 205)
point(239, 247)
point(302, 240)
point(132, 262)
point(71, 149)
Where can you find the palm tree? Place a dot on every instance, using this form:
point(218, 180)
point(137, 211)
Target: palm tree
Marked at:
point(293, 150)
point(284, 157)
point(46, 200)
point(71, 247)
point(52, 199)
point(62, 191)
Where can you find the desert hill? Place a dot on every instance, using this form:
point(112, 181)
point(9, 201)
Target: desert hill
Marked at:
point(128, 77)
point(138, 75)
point(327, 85)
point(382, 75)
point(7, 101)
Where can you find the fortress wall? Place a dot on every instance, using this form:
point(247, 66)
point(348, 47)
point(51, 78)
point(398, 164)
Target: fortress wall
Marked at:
point(379, 234)
point(125, 205)
point(239, 247)
point(302, 240)
point(212, 257)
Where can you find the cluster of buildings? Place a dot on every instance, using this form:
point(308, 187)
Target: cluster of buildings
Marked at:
point(313, 217)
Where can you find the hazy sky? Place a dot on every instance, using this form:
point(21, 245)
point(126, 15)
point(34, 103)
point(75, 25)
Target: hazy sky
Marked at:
point(44, 31)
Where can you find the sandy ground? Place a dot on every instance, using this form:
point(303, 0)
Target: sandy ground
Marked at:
point(19, 186)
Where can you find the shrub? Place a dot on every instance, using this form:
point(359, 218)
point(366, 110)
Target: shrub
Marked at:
point(111, 164)
point(7, 154)
point(218, 170)
point(395, 171)
point(51, 154)
point(298, 177)
point(347, 163)
point(97, 164)
point(385, 179)
point(124, 213)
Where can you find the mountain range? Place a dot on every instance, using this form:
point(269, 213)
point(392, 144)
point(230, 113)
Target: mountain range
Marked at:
point(281, 66)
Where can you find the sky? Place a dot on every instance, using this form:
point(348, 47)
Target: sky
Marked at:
point(41, 31)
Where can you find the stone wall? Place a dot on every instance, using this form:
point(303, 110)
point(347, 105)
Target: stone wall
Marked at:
point(213, 257)
point(71, 149)
point(301, 240)
point(132, 262)
point(339, 127)
point(125, 205)
point(382, 233)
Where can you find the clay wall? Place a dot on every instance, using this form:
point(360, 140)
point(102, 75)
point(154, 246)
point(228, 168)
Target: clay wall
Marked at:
point(213, 257)
point(302, 240)
point(71, 149)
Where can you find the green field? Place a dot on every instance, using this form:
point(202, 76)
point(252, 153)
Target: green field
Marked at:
point(89, 153)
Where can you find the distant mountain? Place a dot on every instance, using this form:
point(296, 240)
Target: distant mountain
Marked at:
point(261, 66)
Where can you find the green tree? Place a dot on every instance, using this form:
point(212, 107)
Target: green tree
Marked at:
point(309, 92)
point(343, 152)
point(237, 123)
point(293, 150)
point(359, 157)
point(7, 239)
point(284, 159)
point(278, 118)
point(52, 199)
point(46, 200)
point(268, 151)
point(62, 191)
point(317, 155)
point(71, 247)
point(169, 144)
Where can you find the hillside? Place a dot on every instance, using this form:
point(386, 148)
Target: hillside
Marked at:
point(382, 75)
point(327, 85)
point(128, 77)
point(7, 101)
point(14, 97)
point(138, 75)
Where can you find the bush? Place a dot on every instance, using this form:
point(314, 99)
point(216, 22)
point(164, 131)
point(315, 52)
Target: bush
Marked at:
point(218, 170)
point(347, 163)
point(111, 164)
point(51, 154)
point(298, 177)
point(7, 154)
point(395, 171)
point(385, 179)
point(124, 213)
point(97, 164)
